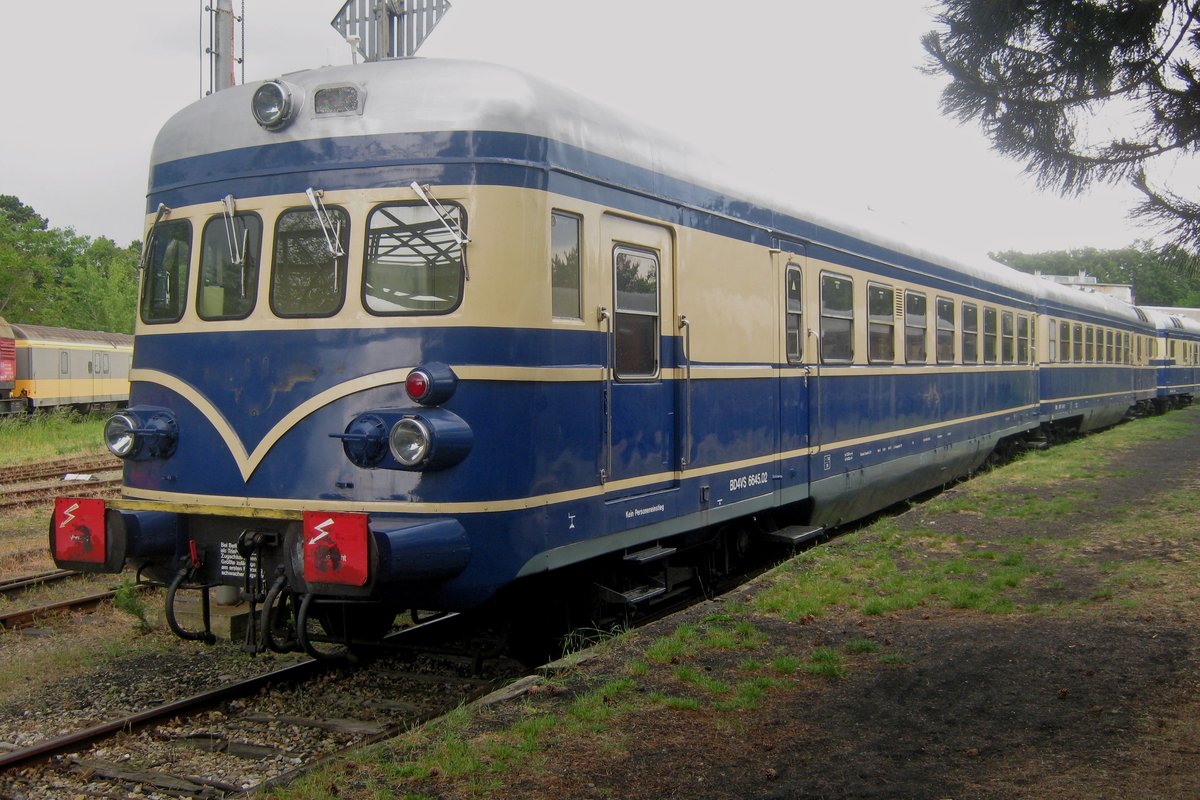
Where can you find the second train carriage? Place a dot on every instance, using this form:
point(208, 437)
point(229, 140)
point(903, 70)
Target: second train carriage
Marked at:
point(43, 367)
point(412, 331)
point(67, 367)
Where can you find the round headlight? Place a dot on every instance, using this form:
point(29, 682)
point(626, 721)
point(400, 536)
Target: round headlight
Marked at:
point(409, 441)
point(272, 105)
point(119, 436)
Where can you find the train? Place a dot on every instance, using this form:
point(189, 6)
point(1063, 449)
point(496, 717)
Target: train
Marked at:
point(44, 367)
point(426, 335)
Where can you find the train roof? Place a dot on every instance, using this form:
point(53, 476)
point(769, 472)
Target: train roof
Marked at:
point(1168, 319)
point(418, 95)
point(46, 333)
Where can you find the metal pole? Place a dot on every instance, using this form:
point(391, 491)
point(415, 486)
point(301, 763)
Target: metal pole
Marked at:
point(223, 46)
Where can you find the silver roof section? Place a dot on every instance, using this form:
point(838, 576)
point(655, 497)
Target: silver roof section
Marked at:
point(1161, 317)
point(435, 95)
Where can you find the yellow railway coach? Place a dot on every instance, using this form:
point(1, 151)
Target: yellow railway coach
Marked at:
point(63, 366)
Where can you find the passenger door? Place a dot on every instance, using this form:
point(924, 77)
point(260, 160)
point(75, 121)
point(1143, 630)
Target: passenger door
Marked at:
point(797, 352)
point(643, 384)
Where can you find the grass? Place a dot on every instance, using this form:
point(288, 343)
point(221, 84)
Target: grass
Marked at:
point(49, 435)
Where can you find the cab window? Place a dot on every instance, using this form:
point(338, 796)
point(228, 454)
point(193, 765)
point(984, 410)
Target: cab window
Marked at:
point(413, 260)
point(228, 289)
point(164, 292)
point(308, 279)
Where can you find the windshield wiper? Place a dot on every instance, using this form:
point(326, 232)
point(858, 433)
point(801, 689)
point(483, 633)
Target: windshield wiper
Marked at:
point(162, 212)
point(237, 249)
point(452, 227)
point(331, 229)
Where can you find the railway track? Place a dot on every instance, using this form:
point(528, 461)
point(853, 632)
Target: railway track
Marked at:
point(43, 470)
point(12, 587)
point(27, 484)
point(18, 496)
point(259, 731)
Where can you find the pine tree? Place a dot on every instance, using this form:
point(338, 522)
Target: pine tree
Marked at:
point(1082, 91)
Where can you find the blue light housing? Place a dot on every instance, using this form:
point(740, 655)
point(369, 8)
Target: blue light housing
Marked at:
point(365, 441)
point(425, 440)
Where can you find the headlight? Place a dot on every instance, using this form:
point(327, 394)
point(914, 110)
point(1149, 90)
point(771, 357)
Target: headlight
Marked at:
point(409, 441)
point(119, 435)
point(273, 105)
point(141, 432)
point(421, 440)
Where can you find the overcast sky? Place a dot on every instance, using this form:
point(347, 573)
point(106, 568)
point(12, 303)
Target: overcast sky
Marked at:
point(825, 101)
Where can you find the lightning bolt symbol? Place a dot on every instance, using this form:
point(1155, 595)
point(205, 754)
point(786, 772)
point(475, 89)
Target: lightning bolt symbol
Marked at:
point(323, 528)
point(69, 516)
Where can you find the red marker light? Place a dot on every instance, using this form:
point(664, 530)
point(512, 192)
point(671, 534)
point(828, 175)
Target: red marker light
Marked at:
point(417, 385)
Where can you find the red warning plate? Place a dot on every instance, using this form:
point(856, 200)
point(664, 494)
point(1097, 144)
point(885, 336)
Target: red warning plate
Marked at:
point(335, 548)
point(79, 530)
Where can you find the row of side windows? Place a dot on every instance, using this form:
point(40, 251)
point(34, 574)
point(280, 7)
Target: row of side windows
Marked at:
point(1077, 343)
point(1007, 337)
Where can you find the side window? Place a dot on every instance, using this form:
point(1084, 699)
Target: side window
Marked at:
point(1077, 344)
point(915, 326)
point(164, 291)
point(1052, 341)
point(881, 324)
point(1089, 345)
point(413, 263)
point(64, 362)
point(635, 276)
point(307, 279)
point(228, 290)
point(1024, 339)
point(1126, 355)
point(1064, 342)
point(1007, 338)
point(105, 368)
point(945, 331)
point(793, 322)
point(970, 333)
point(565, 247)
point(837, 319)
point(989, 335)
point(1110, 354)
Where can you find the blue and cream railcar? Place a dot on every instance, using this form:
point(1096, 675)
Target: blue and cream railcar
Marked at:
point(411, 331)
point(1176, 357)
point(1096, 365)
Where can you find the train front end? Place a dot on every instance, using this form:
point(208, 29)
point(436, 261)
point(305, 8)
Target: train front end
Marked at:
point(298, 426)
